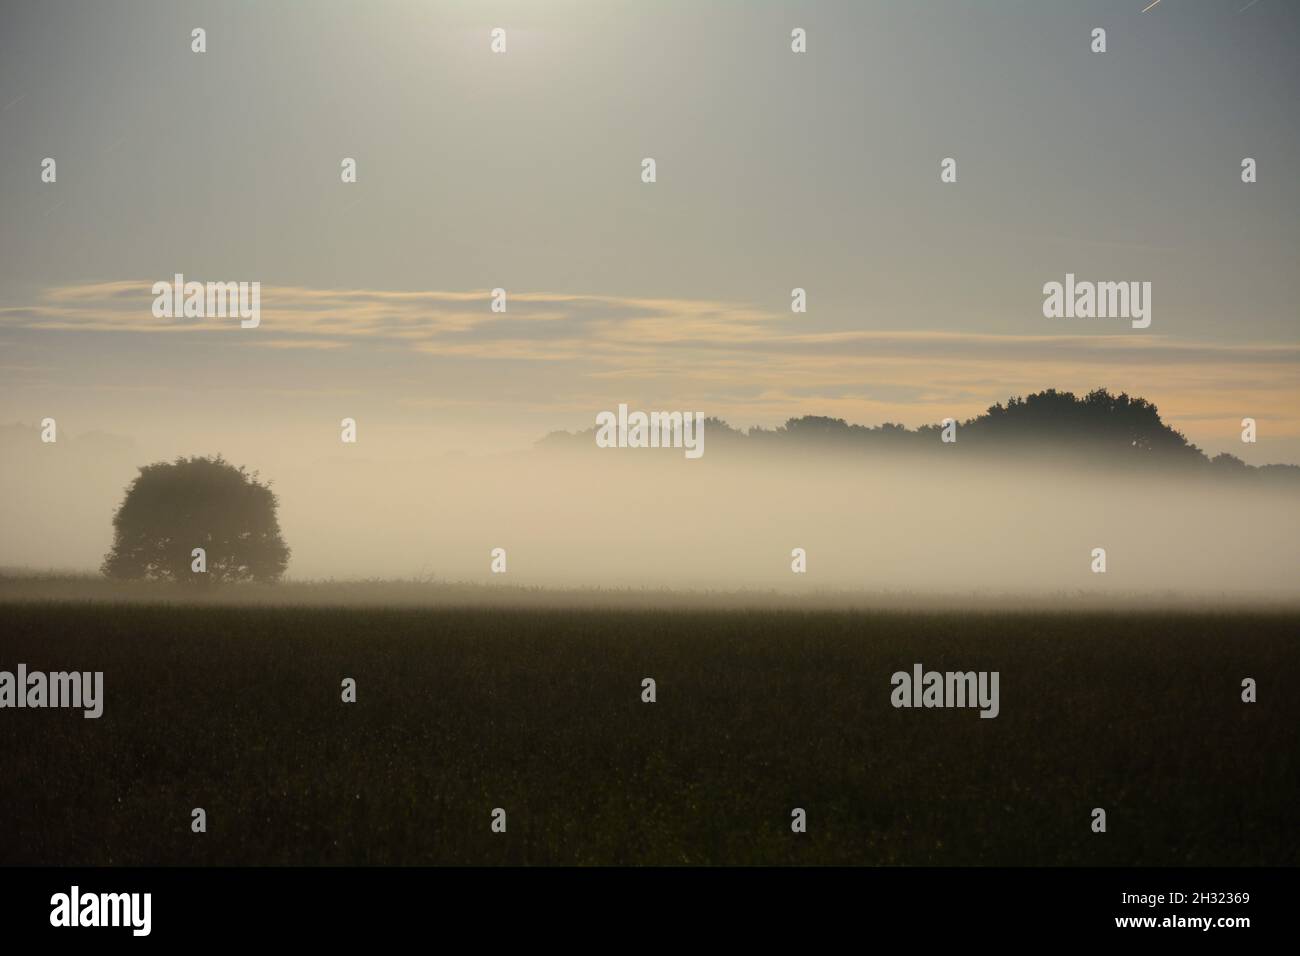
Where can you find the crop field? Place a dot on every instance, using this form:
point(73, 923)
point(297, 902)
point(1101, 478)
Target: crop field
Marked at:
point(238, 710)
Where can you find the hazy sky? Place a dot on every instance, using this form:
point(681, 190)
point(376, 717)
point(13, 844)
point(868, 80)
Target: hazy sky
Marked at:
point(522, 170)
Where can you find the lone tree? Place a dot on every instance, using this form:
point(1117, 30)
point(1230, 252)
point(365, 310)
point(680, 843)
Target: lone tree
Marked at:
point(172, 508)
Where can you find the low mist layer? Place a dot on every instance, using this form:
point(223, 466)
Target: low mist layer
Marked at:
point(650, 518)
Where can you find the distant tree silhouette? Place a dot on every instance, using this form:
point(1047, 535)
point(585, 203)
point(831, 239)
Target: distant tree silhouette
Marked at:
point(1224, 463)
point(1100, 429)
point(172, 508)
point(1098, 424)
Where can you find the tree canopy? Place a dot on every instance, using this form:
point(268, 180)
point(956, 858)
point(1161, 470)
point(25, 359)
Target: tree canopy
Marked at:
point(171, 508)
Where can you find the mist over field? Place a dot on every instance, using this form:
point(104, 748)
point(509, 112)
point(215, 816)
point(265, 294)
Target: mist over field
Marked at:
point(582, 517)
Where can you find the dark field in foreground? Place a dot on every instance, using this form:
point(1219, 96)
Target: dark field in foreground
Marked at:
point(237, 710)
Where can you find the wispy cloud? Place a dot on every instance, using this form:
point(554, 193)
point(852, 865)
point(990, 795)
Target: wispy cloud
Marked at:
point(732, 358)
point(462, 322)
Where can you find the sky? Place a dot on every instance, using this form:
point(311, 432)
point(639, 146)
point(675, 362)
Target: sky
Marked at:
point(522, 170)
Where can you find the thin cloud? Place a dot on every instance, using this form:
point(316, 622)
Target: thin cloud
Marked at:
point(736, 360)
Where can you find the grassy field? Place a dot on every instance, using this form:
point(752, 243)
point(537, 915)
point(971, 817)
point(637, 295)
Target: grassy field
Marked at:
point(237, 709)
